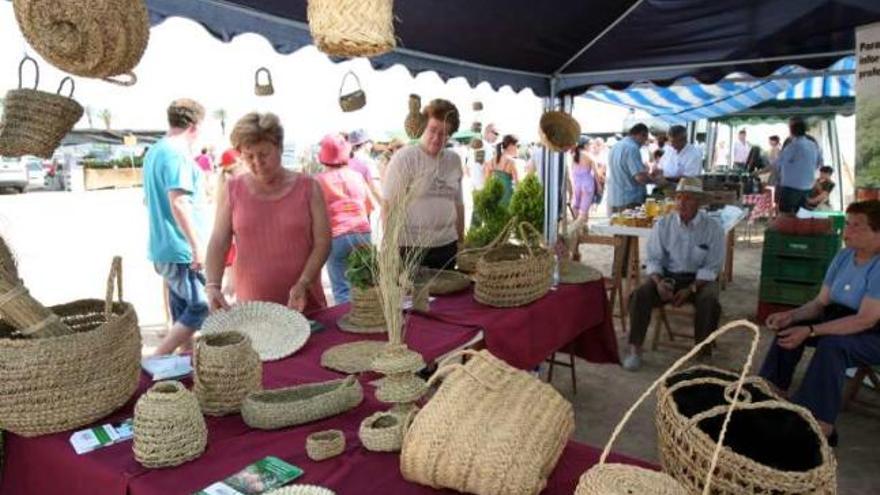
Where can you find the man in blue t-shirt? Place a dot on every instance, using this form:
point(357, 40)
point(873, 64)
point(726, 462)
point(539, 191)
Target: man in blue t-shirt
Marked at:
point(627, 173)
point(175, 198)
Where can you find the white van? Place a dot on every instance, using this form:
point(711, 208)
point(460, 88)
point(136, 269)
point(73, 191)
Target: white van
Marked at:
point(13, 174)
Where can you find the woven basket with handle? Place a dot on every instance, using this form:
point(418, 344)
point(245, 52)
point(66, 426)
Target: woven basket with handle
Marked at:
point(510, 275)
point(263, 88)
point(35, 122)
point(355, 100)
point(84, 376)
point(352, 28)
point(226, 369)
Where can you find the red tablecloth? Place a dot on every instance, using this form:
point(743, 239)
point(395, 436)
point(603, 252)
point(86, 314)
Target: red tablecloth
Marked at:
point(571, 316)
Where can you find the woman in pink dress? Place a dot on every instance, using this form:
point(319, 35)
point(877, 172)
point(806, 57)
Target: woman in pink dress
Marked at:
point(278, 220)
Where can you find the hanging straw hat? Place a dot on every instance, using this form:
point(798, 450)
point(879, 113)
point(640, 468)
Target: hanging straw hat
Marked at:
point(352, 28)
point(89, 39)
point(275, 330)
point(559, 131)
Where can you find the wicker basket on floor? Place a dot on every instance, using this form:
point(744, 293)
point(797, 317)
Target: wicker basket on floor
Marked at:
point(510, 275)
point(169, 428)
point(226, 369)
point(84, 376)
point(687, 425)
point(352, 28)
point(280, 408)
point(325, 444)
point(483, 431)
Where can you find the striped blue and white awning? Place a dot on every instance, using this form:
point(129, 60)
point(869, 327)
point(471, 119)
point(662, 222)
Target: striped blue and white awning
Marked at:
point(690, 100)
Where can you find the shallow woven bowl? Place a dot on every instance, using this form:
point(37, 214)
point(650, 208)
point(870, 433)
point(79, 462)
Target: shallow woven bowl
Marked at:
point(275, 330)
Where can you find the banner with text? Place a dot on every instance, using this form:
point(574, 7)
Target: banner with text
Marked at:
point(868, 112)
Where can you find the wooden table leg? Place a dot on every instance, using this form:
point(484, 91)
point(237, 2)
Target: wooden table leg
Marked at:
point(728, 258)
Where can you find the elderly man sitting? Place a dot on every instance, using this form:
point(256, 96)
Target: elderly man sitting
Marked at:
point(685, 254)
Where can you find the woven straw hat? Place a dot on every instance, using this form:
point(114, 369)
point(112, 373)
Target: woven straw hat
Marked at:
point(99, 38)
point(275, 330)
point(559, 131)
point(690, 185)
point(352, 28)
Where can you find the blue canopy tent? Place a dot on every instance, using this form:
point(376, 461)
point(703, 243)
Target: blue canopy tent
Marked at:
point(563, 47)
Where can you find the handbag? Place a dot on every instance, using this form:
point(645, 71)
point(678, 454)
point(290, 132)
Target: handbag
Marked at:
point(261, 89)
point(355, 100)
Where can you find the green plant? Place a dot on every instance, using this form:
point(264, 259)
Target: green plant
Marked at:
point(527, 203)
point(361, 266)
point(490, 217)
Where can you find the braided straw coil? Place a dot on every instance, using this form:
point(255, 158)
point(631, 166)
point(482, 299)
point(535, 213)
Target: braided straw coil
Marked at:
point(352, 28)
point(280, 408)
point(226, 369)
point(94, 38)
point(84, 376)
point(169, 428)
point(325, 444)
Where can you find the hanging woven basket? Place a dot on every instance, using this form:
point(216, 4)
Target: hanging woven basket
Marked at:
point(98, 39)
point(263, 88)
point(352, 28)
point(559, 131)
point(226, 369)
point(510, 275)
point(169, 428)
point(84, 376)
point(355, 100)
point(34, 122)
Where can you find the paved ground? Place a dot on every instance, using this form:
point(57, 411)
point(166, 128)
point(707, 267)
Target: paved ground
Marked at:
point(65, 241)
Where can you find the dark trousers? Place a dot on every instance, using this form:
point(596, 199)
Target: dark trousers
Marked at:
point(646, 298)
point(438, 258)
point(822, 389)
point(792, 199)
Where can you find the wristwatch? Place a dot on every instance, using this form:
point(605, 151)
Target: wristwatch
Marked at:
point(812, 331)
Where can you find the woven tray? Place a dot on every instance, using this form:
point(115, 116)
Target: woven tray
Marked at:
point(280, 408)
point(353, 357)
point(275, 330)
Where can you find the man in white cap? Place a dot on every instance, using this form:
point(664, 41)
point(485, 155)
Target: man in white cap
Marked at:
point(685, 254)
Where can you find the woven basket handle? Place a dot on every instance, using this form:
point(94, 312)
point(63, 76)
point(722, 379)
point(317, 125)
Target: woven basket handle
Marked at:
point(503, 235)
point(61, 86)
point(345, 78)
point(675, 366)
point(524, 235)
point(21, 72)
point(127, 79)
point(114, 281)
point(268, 77)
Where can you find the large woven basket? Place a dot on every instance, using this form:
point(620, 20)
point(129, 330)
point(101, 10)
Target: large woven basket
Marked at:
point(57, 384)
point(169, 428)
point(510, 275)
point(773, 445)
point(35, 122)
point(352, 28)
point(87, 38)
point(280, 408)
point(489, 429)
point(602, 478)
point(226, 369)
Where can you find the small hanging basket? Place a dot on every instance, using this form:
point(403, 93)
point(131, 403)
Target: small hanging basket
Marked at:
point(355, 100)
point(263, 88)
point(35, 122)
point(415, 121)
point(352, 28)
point(559, 131)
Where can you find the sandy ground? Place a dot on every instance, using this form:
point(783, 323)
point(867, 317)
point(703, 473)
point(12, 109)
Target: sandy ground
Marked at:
point(65, 241)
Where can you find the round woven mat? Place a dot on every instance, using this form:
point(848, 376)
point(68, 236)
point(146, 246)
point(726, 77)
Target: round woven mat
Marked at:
point(572, 272)
point(353, 357)
point(620, 479)
point(275, 330)
point(346, 325)
point(302, 490)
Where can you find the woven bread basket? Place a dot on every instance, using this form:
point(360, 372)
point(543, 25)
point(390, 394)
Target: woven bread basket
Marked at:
point(35, 122)
point(226, 369)
point(355, 100)
point(263, 88)
point(168, 426)
point(482, 432)
point(773, 445)
point(280, 408)
point(84, 376)
point(510, 275)
point(559, 131)
point(603, 478)
point(97, 38)
point(325, 444)
point(352, 28)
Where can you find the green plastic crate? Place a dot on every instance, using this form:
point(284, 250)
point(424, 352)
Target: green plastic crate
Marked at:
point(794, 293)
point(793, 269)
point(819, 247)
point(838, 219)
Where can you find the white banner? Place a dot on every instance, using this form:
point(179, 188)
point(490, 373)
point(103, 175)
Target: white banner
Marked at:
point(868, 111)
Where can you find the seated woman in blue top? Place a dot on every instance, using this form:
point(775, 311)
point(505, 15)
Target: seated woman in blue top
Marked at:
point(841, 322)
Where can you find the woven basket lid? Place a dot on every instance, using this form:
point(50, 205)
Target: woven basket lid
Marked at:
point(621, 479)
point(572, 272)
point(275, 330)
point(302, 490)
point(353, 357)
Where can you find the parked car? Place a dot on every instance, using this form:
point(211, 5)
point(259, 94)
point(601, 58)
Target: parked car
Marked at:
point(36, 173)
point(13, 174)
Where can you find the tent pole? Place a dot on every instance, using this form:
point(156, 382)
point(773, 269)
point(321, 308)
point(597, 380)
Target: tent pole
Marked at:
point(837, 157)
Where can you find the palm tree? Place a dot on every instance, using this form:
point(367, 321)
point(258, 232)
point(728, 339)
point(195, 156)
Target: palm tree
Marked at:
point(90, 115)
point(220, 114)
point(107, 117)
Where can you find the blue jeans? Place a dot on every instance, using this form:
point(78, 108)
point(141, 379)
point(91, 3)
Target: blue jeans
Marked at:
point(340, 248)
point(186, 293)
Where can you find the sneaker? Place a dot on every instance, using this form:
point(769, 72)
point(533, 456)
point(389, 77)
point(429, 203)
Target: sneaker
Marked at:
point(632, 362)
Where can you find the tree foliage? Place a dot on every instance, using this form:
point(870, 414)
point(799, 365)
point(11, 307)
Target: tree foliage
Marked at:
point(868, 143)
point(527, 203)
point(490, 217)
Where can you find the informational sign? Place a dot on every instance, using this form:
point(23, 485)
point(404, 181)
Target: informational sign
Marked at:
point(868, 112)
